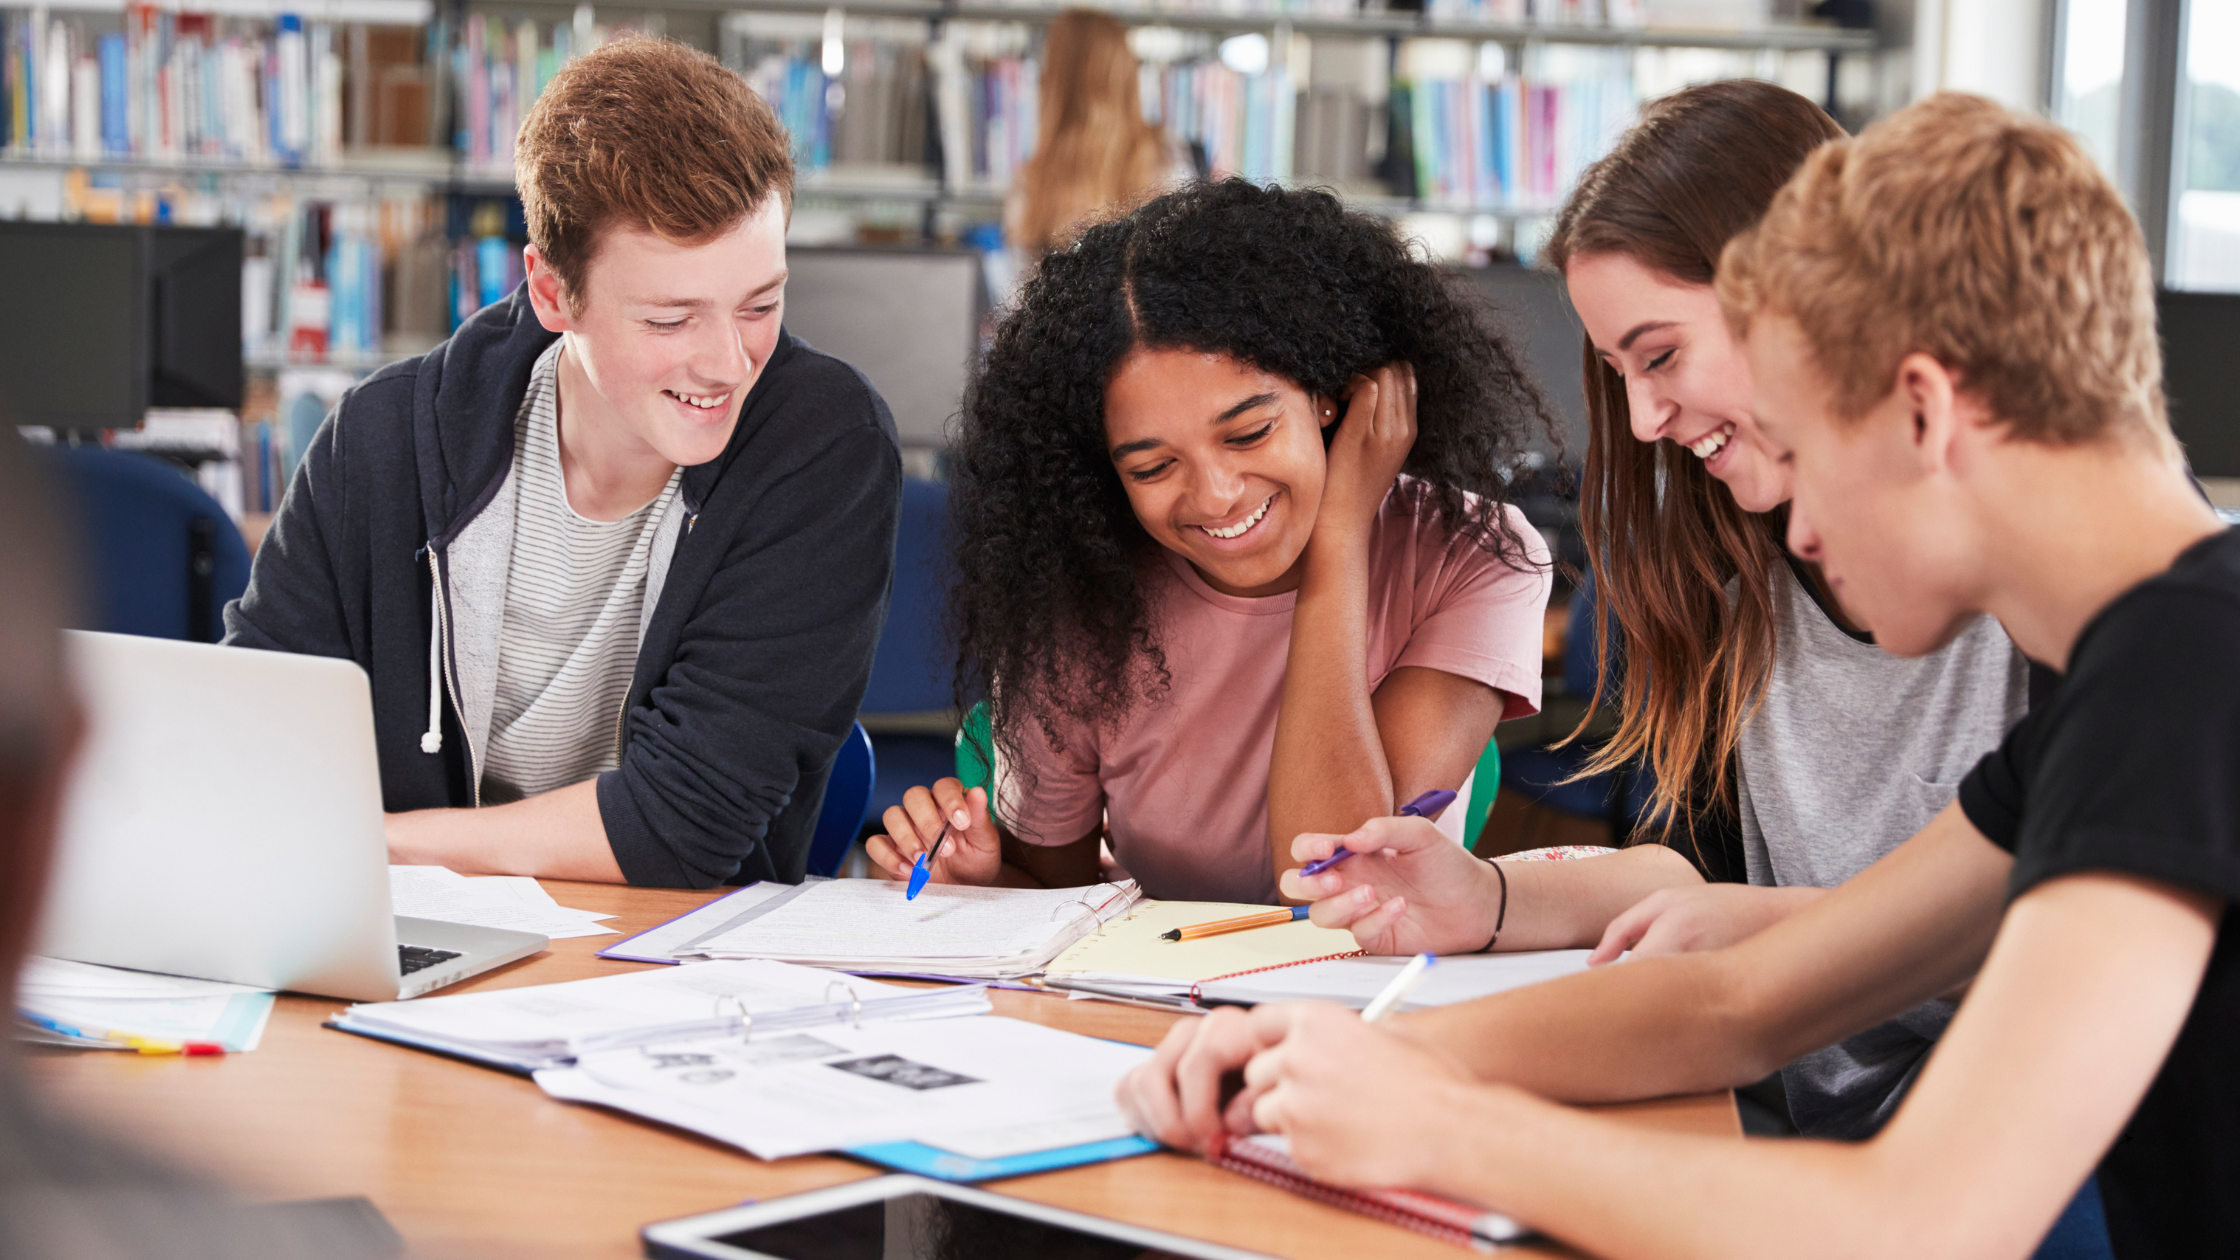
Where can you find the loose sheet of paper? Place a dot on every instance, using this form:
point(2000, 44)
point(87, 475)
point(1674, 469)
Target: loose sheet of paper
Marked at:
point(990, 1085)
point(1354, 981)
point(498, 901)
point(59, 977)
point(848, 920)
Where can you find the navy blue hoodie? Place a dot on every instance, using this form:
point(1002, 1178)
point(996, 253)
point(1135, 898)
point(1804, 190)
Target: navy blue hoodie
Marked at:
point(753, 659)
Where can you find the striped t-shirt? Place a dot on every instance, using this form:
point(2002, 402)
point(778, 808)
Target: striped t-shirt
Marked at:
point(569, 640)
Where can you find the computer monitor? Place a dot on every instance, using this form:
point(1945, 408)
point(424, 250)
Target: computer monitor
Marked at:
point(2200, 332)
point(908, 319)
point(74, 330)
point(1531, 307)
point(105, 321)
point(194, 316)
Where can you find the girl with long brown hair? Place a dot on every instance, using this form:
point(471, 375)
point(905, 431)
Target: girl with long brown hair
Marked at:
point(1093, 150)
point(1762, 707)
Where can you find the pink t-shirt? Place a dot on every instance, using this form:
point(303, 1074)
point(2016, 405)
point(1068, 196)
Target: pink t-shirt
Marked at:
point(1182, 782)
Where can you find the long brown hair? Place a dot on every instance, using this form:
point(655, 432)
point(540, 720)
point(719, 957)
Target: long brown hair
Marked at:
point(1664, 537)
point(1093, 149)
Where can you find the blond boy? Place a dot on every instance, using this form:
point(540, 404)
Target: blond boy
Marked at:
point(1951, 323)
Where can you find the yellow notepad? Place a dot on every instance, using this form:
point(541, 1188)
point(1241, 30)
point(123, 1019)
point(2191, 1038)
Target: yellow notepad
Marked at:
point(1129, 947)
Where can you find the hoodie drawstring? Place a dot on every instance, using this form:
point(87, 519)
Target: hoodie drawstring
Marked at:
point(431, 741)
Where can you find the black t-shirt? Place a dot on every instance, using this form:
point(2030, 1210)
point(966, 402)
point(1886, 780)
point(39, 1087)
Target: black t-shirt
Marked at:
point(2134, 766)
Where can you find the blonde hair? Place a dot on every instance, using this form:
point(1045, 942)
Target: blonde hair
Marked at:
point(1094, 151)
point(1989, 241)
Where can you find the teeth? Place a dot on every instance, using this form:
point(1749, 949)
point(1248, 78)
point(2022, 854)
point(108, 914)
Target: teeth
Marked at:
point(1238, 529)
point(705, 403)
point(1711, 443)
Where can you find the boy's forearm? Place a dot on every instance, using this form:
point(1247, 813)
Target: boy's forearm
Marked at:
point(1611, 1187)
point(555, 835)
point(1909, 927)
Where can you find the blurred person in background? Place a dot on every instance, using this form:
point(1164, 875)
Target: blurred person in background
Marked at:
point(65, 1191)
point(1094, 151)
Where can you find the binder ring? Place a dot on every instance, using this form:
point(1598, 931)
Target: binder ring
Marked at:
point(855, 1004)
point(1078, 908)
point(731, 1003)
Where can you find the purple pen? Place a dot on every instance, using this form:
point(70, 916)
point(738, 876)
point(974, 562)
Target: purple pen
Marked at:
point(1423, 806)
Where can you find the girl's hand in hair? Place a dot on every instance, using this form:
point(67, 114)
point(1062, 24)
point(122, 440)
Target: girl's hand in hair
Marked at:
point(974, 853)
point(1374, 437)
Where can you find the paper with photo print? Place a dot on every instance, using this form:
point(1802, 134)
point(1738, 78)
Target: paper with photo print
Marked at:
point(975, 1085)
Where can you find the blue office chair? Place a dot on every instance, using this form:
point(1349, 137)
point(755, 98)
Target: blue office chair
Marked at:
point(847, 798)
point(163, 559)
point(908, 675)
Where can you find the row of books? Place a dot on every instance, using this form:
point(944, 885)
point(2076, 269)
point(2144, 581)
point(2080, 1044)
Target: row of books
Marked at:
point(169, 86)
point(1244, 123)
point(499, 68)
point(988, 97)
point(860, 100)
point(1516, 141)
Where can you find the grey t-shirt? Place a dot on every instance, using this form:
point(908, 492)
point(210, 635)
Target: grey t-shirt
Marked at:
point(1850, 752)
point(574, 602)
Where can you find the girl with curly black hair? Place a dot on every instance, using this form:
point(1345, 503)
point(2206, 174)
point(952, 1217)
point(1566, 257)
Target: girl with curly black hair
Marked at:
point(1233, 557)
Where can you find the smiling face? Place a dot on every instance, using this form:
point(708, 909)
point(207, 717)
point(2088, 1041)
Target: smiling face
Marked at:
point(1877, 503)
point(671, 337)
point(1686, 379)
point(1222, 462)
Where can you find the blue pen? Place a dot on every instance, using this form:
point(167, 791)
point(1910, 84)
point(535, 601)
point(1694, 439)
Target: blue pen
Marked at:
point(1423, 806)
point(922, 869)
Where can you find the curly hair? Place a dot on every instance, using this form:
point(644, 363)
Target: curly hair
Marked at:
point(1048, 612)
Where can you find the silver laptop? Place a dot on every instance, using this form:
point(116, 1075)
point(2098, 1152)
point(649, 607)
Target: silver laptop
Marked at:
point(225, 822)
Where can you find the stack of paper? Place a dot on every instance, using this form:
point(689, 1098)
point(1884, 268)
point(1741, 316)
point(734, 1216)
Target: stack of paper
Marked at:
point(499, 901)
point(867, 925)
point(79, 1004)
point(549, 1025)
point(978, 1089)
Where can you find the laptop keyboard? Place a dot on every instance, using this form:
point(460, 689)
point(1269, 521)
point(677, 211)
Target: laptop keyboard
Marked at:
point(411, 958)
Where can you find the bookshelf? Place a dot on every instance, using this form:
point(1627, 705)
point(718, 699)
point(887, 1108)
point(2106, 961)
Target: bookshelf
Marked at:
point(364, 146)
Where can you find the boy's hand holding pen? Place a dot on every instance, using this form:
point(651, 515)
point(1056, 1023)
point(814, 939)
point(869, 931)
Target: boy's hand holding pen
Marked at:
point(940, 834)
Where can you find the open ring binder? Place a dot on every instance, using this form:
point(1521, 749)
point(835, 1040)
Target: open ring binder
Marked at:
point(730, 1005)
point(855, 1004)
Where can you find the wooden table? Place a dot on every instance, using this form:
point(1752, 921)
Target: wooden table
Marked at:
point(466, 1160)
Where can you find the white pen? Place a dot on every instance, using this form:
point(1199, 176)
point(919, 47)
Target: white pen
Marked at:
point(1402, 984)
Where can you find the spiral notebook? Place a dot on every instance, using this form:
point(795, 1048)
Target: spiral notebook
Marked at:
point(1267, 1157)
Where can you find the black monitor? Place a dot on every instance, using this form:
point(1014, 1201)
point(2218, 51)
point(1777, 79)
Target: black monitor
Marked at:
point(194, 317)
point(73, 326)
point(2200, 337)
point(99, 322)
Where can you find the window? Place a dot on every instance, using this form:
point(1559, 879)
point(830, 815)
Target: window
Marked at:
point(2204, 243)
point(2089, 77)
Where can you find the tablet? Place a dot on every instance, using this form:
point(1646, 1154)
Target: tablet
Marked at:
point(914, 1218)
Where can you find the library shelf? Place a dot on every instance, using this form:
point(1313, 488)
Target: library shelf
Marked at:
point(371, 12)
point(1781, 36)
point(418, 166)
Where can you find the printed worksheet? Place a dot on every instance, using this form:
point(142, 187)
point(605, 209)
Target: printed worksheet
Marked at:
point(982, 1085)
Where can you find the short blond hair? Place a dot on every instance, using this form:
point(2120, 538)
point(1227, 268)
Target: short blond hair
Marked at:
point(1989, 241)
